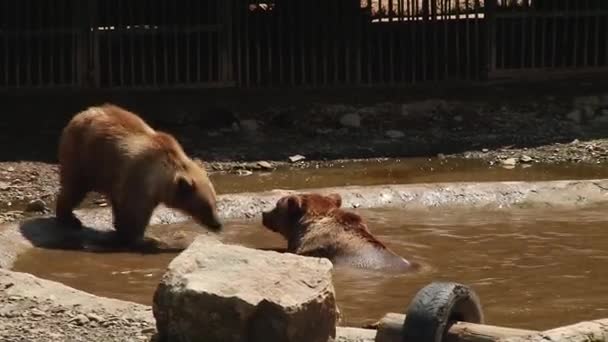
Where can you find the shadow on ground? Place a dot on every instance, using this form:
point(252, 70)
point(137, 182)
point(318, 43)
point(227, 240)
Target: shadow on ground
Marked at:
point(48, 233)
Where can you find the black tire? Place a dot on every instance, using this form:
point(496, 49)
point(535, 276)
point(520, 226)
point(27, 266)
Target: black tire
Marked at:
point(435, 307)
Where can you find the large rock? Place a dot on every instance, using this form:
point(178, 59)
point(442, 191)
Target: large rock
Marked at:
point(218, 292)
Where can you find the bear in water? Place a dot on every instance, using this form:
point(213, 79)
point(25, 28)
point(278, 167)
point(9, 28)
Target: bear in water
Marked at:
point(315, 225)
point(112, 151)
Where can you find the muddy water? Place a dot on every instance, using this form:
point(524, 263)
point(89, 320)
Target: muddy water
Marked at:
point(532, 269)
point(412, 170)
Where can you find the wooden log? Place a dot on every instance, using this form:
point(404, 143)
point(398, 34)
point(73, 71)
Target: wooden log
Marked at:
point(391, 325)
point(596, 331)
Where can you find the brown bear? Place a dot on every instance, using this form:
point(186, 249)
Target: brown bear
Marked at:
point(112, 151)
point(315, 225)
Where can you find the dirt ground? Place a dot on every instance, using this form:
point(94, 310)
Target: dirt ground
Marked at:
point(555, 122)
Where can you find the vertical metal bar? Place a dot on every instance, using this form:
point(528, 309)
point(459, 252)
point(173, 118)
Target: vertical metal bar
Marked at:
point(247, 43)
point(290, 14)
point(522, 20)
point(269, 43)
point(237, 40)
point(543, 41)
point(413, 15)
point(575, 34)
point(325, 40)
point(314, 40)
point(176, 37)
point(6, 49)
point(131, 24)
point(229, 13)
point(188, 26)
point(335, 34)
point(534, 23)
point(401, 39)
point(368, 39)
point(62, 18)
point(512, 40)
point(27, 41)
point(564, 36)
point(391, 39)
point(358, 44)
point(155, 22)
point(597, 39)
point(258, 54)
point(554, 45)
point(121, 30)
point(445, 54)
point(303, 39)
point(346, 37)
point(199, 20)
point(280, 26)
point(109, 34)
point(425, 24)
point(165, 37)
point(468, 41)
point(40, 38)
point(142, 36)
point(586, 35)
point(435, 46)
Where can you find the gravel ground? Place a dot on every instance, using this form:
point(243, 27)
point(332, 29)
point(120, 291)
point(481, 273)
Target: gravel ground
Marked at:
point(33, 309)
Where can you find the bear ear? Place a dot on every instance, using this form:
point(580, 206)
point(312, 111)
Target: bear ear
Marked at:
point(184, 186)
point(336, 198)
point(294, 205)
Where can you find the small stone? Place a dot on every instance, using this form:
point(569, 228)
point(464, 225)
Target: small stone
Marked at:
point(10, 169)
point(296, 158)
point(249, 125)
point(265, 165)
point(4, 186)
point(525, 159)
point(94, 317)
point(351, 120)
point(244, 172)
point(394, 134)
point(79, 319)
point(575, 116)
point(104, 204)
point(37, 313)
point(36, 205)
point(485, 150)
point(574, 142)
point(324, 131)
point(441, 156)
point(508, 162)
point(149, 330)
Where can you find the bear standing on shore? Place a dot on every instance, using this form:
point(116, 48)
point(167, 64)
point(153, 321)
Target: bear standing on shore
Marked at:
point(114, 152)
point(314, 225)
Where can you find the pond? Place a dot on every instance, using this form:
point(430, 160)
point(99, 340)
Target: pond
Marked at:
point(532, 268)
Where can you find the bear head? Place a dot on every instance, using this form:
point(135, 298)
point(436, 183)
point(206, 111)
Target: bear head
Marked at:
point(292, 210)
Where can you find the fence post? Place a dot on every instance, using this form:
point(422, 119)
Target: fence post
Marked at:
point(490, 42)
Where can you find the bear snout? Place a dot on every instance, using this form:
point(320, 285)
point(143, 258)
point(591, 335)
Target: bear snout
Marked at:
point(213, 222)
point(267, 220)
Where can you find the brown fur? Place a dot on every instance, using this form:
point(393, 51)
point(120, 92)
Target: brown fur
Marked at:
point(112, 151)
point(314, 225)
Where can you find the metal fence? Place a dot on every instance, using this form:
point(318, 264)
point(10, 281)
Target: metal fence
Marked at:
point(245, 43)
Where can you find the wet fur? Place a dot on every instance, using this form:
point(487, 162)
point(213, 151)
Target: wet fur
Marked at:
point(314, 225)
point(112, 151)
